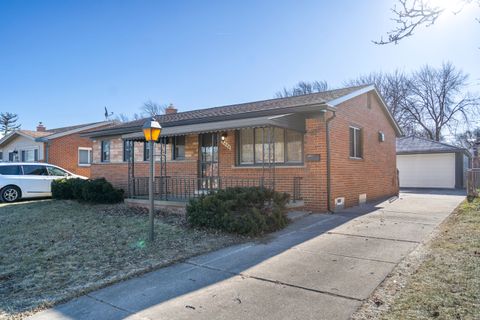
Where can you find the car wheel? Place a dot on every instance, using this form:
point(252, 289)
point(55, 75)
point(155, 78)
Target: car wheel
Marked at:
point(10, 194)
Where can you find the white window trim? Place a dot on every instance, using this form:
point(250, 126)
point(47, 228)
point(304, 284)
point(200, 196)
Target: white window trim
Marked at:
point(32, 148)
point(355, 142)
point(89, 157)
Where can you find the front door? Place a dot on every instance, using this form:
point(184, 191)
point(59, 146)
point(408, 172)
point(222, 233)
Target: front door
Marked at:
point(208, 171)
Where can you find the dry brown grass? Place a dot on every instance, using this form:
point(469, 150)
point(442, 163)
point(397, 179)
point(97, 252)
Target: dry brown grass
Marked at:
point(51, 251)
point(447, 284)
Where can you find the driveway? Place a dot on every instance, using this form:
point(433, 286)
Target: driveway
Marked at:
point(320, 267)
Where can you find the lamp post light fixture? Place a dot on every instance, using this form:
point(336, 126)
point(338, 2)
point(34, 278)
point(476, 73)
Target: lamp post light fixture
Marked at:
point(151, 131)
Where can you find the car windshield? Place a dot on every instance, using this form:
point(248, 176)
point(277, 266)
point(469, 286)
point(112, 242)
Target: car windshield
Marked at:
point(10, 170)
point(57, 172)
point(35, 170)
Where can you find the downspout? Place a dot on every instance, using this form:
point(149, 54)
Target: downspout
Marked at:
point(327, 138)
point(47, 148)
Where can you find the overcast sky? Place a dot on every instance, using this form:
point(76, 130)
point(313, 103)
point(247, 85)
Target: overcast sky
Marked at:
point(61, 62)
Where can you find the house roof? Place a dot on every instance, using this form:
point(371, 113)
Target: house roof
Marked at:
point(53, 133)
point(417, 145)
point(271, 107)
point(34, 134)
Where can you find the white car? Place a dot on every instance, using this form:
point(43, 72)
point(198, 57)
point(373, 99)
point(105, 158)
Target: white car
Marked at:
point(19, 180)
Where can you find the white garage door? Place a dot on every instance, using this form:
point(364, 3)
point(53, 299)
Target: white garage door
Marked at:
point(427, 170)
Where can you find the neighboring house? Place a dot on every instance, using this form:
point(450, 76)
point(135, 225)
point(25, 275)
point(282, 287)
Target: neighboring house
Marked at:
point(63, 147)
point(279, 142)
point(423, 163)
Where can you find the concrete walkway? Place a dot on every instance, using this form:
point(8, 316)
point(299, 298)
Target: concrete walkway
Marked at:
point(320, 267)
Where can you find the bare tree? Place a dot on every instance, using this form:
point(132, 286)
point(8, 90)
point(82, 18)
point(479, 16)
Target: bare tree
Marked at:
point(303, 87)
point(468, 138)
point(8, 122)
point(411, 14)
point(122, 117)
point(151, 109)
point(438, 100)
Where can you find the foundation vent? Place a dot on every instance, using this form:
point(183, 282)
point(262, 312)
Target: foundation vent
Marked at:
point(362, 198)
point(339, 203)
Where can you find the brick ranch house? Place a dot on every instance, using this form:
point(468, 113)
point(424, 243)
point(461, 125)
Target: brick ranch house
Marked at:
point(64, 147)
point(327, 150)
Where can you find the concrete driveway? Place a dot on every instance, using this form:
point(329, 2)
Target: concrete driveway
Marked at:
point(320, 267)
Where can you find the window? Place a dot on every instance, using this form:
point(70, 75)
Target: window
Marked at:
point(105, 156)
point(146, 151)
point(246, 146)
point(84, 156)
point(54, 171)
point(30, 155)
point(127, 150)
point(12, 156)
point(178, 148)
point(294, 146)
point(1, 155)
point(254, 148)
point(10, 170)
point(356, 143)
point(35, 170)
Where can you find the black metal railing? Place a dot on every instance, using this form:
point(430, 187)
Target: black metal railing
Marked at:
point(178, 188)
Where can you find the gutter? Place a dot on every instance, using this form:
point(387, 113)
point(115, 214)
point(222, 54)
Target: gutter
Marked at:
point(327, 137)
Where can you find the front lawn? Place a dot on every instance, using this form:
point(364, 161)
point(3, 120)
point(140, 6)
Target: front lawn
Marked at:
point(447, 283)
point(51, 251)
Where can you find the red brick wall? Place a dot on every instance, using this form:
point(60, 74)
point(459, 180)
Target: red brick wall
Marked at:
point(63, 152)
point(374, 175)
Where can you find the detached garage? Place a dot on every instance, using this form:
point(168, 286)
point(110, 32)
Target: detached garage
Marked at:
point(424, 163)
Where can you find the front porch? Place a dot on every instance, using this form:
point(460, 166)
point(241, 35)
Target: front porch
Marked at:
point(176, 191)
point(209, 163)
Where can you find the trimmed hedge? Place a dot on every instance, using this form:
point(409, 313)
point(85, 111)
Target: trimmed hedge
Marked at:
point(94, 191)
point(243, 210)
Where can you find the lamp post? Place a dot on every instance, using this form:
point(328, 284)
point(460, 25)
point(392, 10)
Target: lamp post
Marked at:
point(151, 131)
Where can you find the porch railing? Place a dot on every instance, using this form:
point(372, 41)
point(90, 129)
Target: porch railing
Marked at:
point(175, 188)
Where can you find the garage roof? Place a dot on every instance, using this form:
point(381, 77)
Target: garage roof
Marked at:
point(416, 145)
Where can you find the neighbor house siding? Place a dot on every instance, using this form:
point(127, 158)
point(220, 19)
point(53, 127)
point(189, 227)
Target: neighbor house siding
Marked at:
point(22, 143)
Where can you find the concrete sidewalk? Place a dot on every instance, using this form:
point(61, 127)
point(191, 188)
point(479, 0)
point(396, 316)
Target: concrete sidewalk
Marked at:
point(320, 267)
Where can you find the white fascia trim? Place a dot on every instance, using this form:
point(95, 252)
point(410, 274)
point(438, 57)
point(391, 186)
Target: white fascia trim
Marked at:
point(65, 133)
point(336, 102)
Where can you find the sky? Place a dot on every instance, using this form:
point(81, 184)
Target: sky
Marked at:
point(62, 62)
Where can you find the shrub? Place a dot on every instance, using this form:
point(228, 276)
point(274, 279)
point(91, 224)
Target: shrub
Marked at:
point(94, 191)
point(242, 210)
point(67, 188)
point(101, 191)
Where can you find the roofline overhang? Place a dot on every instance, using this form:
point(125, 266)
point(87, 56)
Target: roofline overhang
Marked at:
point(406, 153)
point(303, 109)
point(11, 135)
point(73, 131)
point(292, 121)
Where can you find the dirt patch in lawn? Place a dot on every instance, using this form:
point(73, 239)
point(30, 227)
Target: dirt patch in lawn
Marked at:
point(52, 251)
point(439, 280)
